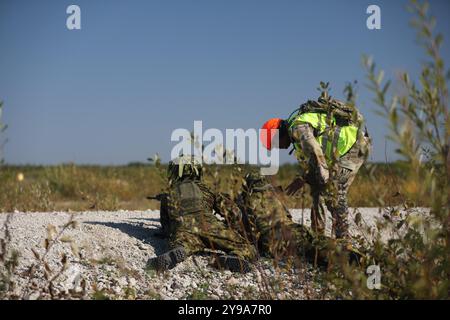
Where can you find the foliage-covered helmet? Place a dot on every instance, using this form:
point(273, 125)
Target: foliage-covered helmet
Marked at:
point(255, 180)
point(184, 167)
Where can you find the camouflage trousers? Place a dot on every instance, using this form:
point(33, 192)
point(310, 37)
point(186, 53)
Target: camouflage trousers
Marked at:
point(204, 231)
point(333, 196)
point(286, 239)
point(268, 225)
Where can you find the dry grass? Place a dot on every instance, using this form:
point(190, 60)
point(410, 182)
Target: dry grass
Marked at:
point(77, 188)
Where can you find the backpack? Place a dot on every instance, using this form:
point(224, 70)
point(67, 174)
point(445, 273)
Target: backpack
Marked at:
point(345, 114)
point(188, 198)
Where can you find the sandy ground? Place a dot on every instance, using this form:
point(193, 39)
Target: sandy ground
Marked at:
point(107, 254)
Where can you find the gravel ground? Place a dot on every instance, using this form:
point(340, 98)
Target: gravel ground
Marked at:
point(107, 253)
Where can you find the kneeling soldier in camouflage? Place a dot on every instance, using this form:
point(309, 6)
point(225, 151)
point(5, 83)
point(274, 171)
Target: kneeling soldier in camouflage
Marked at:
point(269, 226)
point(191, 225)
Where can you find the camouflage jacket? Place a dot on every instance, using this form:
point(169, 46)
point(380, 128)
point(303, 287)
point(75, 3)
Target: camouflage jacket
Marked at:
point(314, 168)
point(190, 201)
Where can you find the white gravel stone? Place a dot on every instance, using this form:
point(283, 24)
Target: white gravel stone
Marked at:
point(115, 247)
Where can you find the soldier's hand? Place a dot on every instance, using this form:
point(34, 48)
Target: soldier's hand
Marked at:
point(295, 185)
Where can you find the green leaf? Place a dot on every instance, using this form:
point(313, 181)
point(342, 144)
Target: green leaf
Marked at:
point(386, 87)
point(380, 77)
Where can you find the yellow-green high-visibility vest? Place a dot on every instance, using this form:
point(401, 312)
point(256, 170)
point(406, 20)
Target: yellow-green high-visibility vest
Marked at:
point(332, 139)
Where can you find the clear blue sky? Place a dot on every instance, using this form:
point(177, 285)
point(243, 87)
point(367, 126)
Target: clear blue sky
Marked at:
point(112, 92)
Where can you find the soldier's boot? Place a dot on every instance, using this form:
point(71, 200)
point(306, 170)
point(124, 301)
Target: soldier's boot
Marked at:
point(169, 259)
point(233, 263)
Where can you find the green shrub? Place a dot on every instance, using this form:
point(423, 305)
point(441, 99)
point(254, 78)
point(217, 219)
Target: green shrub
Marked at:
point(415, 264)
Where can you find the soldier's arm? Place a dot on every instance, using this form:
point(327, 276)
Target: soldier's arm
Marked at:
point(303, 134)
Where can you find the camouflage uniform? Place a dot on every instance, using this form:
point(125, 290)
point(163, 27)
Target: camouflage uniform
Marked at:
point(194, 226)
point(188, 220)
point(268, 224)
point(329, 180)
